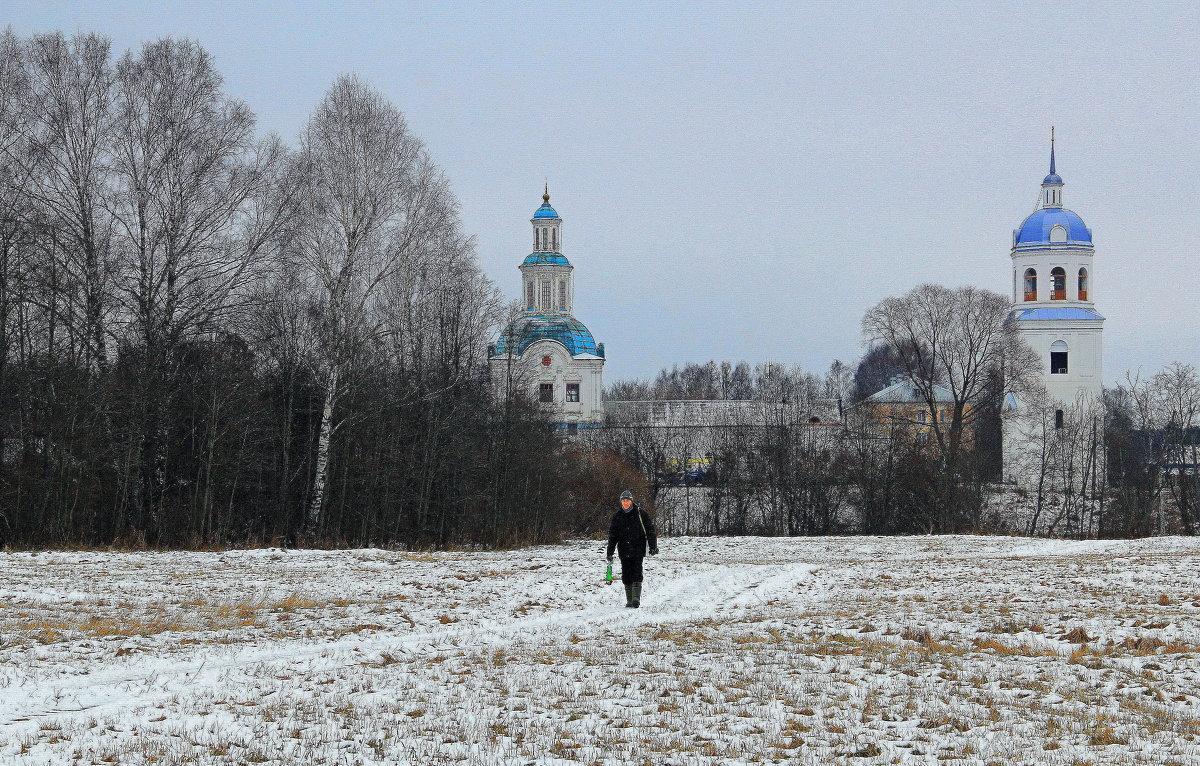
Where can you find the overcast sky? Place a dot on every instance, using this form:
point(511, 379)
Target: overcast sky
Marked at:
point(742, 181)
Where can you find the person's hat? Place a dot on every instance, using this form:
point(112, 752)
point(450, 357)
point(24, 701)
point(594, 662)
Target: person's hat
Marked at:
point(626, 494)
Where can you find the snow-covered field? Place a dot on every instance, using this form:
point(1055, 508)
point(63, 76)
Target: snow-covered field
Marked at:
point(968, 650)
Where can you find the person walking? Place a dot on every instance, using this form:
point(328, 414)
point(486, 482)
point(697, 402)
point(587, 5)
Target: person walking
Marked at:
point(631, 533)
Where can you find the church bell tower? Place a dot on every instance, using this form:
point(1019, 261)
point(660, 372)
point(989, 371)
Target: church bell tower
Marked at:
point(545, 349)
point(1054, 294)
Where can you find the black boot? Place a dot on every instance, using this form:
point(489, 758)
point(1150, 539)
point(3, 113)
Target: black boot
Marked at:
point(629, 602)
point(637, 595)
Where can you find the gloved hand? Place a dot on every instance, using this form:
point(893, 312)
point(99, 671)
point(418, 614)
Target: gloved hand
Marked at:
point(609, 559)
point(654, 551)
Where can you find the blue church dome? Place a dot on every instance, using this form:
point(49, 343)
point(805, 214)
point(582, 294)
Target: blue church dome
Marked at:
point(546, 259)
point(563, 328)
point(1053, 178)
point(1036, 228)
point(545, 211)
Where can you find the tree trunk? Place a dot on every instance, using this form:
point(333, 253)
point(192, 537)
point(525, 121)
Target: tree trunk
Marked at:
point(323, 439)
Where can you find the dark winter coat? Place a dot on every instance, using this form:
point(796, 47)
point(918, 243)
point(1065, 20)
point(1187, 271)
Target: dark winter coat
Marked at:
point(631, 533)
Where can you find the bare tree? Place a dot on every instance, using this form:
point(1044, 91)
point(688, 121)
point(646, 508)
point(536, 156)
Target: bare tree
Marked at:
point(63, 147)
point(1057, 452)
point(370, 198)
point(1177, 403)
point(959, 340)
point(197, 197)
point(1153, 440)
point(196, 204)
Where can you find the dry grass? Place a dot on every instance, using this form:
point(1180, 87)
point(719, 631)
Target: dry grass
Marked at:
point(966, 657)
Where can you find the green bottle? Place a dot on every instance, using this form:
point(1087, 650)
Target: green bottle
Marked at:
point(608, 576)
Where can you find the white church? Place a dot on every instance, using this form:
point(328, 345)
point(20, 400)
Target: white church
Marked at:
point(546, 349)
point(1054, 307)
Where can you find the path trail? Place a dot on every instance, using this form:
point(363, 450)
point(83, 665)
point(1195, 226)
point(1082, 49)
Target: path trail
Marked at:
point(676, 592)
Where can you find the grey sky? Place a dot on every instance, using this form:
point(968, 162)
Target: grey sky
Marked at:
point(742, 181)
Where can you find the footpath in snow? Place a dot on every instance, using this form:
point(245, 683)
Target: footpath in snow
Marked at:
point(747, 650)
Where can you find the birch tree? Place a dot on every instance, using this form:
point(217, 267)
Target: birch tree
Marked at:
point(370, 198)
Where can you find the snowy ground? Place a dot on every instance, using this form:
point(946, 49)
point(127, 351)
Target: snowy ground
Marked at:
point(968, 650)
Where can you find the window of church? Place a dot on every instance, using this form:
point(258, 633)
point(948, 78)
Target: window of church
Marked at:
point(562, 295)
point(554, 240)
point(1058, 418)
point(1058, 279)
point(572, 392)
point(529, 294)
point(1058, 234)
point(546, 392)
point(1083, 284)
point(1058, 358)
point(1030, 284)
point(546, 294)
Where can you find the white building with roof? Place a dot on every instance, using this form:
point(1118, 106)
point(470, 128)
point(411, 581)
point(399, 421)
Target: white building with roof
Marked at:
point(546, 349)
point(1054, 307)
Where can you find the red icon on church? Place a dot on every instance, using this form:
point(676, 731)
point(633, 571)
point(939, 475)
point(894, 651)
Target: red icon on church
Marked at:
point(546, 361)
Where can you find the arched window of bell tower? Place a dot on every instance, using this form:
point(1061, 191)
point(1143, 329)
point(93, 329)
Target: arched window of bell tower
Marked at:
point(1058, 234)
point(1030, 284)
point(1058, 284)
point(1083, 284)
point(1058, 357)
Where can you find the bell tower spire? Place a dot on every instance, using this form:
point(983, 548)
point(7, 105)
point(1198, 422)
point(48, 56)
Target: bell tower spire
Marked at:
point(1052, 184)
point(547, 226)
point(549, 286)
point(1051, 150)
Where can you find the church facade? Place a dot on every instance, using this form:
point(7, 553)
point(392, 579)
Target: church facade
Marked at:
point(546, 351)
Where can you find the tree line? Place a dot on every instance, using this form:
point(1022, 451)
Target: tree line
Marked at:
point(209, 336)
